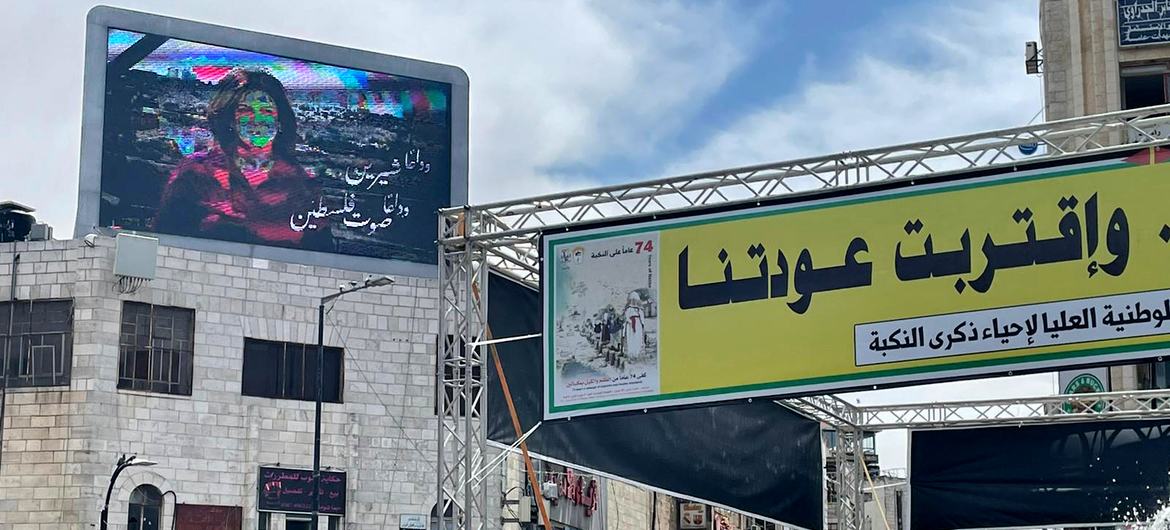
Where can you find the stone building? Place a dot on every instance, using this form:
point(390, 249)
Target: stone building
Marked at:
point(885, 502)
point(1103, 56)
point(1087, 70)
point(205, 371)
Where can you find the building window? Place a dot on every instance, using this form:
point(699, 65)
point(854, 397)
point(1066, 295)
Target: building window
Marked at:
point(1144, 375)
point(1161, 374)
point(761, 524)
point(297, 523)
point(36, 341)
point(288, 370)
point(869, 442)
point(1145, 86)
point(898, 508)
point(453, 374)
point(145, 508)
point(156, 348)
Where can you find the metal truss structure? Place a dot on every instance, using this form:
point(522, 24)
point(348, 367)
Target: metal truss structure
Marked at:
point(852, 422)
point(504, 237)
point(462, 442)
point(1143, 404)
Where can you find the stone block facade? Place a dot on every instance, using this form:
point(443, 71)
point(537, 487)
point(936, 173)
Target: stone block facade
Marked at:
point(60, 443)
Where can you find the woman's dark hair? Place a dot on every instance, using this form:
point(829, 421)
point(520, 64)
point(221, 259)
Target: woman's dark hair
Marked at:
point(221, 112)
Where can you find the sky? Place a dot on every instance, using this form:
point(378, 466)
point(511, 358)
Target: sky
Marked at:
point(574, 94)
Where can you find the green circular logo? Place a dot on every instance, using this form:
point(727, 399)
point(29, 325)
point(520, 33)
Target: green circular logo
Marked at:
point(1084, 384)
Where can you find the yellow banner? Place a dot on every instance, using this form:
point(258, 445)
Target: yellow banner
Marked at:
point(1024, 271)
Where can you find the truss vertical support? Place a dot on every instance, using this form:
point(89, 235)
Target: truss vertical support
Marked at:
point(850, 456)
point(461, 501)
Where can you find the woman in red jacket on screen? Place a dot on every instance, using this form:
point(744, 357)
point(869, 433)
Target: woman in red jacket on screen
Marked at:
point(249, 185)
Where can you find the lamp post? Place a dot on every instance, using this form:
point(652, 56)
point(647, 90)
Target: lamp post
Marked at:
point(342, 290)
point(124, 462)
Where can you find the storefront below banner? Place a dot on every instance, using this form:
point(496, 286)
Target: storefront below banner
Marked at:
point(580, 500)
point(575, 500)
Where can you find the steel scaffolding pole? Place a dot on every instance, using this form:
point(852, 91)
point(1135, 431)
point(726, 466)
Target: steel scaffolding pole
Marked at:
point(847, 454)
point(504, 237)
point(460, 501)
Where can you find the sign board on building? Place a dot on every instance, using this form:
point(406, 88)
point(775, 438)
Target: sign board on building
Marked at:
point(722, 522)
point(291, 491)
point(1142, 22)
point(1160, 131)
point(1083, 381)
point(693, 516)
point(207, 517)
point(573, 499)
point(412, 521)
point(239, 142)
point(1013, 271)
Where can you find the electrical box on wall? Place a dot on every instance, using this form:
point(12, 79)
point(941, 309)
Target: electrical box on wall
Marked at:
point(135, 256)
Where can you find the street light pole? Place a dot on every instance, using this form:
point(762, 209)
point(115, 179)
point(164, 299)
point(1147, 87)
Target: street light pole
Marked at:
point(342, 289)
point(124, 462)
point(317, 422)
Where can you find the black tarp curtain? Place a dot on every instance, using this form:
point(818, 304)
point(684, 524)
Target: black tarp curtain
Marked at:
point(1038, 475)
point(758, 457)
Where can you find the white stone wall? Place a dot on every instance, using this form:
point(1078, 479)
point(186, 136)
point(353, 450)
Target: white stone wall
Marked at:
point(1082, 59)
point(1081, 55)
point(60, 444)
point(628, 506)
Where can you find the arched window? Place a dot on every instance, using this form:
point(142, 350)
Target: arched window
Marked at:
point(145, 508)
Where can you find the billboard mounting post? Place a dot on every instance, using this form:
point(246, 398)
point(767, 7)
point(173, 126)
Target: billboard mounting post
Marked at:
point(462, 441)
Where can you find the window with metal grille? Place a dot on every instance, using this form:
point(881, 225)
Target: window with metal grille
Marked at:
point(145, 508)
point(36, 342)
point(288, 370)
point(157, 348)
point(453, 376)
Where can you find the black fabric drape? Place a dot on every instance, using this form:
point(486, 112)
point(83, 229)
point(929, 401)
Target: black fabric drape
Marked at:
point(757, 457)
point(1041, 475)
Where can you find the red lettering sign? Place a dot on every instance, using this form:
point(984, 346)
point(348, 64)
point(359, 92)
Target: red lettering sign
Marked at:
point(574, 489)
point(207, 517)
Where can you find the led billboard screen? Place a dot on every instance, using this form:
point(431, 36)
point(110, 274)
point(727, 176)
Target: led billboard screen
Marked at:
point(209, 139)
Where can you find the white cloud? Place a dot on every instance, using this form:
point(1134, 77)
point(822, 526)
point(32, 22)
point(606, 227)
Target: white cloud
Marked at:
point(552, 83)
point(909, 81)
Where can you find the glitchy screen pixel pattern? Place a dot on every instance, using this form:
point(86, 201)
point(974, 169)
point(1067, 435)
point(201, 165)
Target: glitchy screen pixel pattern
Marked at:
point(364, 168)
